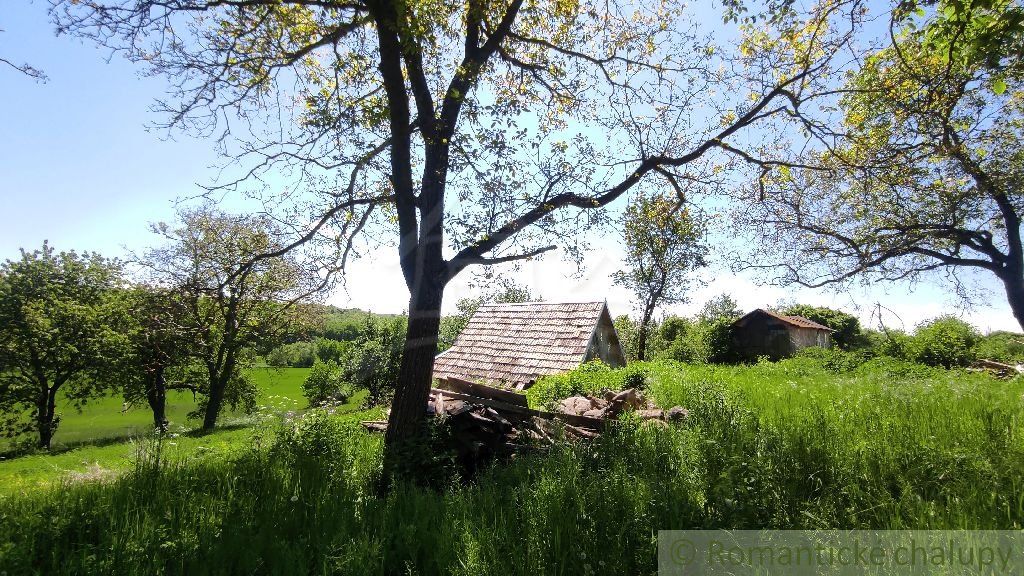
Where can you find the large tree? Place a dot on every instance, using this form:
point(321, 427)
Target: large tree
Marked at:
point(161, 350)
point(58, 335)
point(925, 172)
point(664, 246)
point(468, 133)
point(225, 302)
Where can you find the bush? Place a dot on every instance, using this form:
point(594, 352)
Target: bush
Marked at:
point(326, 385)
point(328, 350)
point(835, 360)
point(626, 328)
point(373, 360)
point(591, 378)
point(716, 339)
point(295, 355)
point(1002, 347)
point(634, 377)
point(893, 343)
point(945, 341)
point(895, 369)
point(674, 328)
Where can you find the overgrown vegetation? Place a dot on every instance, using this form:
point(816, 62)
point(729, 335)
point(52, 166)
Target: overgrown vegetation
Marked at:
point(785, 445)
point(946, 341)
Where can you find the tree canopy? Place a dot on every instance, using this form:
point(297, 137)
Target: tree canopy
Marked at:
point(58, 335)
point(924, 173)
point(233, 299)
point(664, 245)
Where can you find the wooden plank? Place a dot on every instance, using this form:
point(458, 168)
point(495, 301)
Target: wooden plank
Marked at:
point(582, 432)
point(481, 391)
point(375, 425)
point(584, 421)
point(992, 364)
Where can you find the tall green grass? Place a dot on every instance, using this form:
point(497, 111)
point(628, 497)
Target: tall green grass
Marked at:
point(102, 439)
point(786, 445)
point(107, 418)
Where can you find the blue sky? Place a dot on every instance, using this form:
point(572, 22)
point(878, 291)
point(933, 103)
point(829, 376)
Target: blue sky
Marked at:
point(80, 169)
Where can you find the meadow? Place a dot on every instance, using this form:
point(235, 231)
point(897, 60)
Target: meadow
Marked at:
point(800, 443)
point(102, 439)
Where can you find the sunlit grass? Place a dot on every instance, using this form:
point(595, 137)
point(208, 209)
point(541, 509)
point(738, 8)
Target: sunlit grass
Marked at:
point(786, 445)
point(102, 441)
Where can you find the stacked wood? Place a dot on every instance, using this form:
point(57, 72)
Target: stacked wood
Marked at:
point(997, 369)
point(485, 421)
point(611, 404)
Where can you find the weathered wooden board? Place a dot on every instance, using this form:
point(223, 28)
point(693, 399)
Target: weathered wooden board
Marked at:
point(481, 391)
point(584, 421)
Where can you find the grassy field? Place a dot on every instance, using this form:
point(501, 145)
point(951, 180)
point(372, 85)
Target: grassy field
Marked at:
point(103, 439)
point(795, 444)
point(104, 418)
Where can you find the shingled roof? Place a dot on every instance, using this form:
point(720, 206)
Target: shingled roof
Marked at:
point(514, 344)
point(798, 321)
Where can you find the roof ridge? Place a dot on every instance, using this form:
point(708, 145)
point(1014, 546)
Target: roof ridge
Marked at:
point(794, 320)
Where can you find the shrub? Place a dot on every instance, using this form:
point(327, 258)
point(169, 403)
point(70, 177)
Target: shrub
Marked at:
point(375, 358)
point(295, 355)
point(688, 349)
point(1002, 347)
point(325, 384)
point(674, 328)
point(893, 343)
point(894, 369)
point(328, 350)
point(945, 341)
point(674, 340)
point(626, 328)
point(834, 359)
point(591, 378)
point(716, 338)
point(634, 377)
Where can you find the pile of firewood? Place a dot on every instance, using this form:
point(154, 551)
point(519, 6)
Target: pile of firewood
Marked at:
point(997, 369)
point(485, 421)
point(614, 403)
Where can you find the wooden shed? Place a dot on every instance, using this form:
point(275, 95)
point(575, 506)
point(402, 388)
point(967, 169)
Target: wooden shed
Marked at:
point(514, 344)
point(765, 333)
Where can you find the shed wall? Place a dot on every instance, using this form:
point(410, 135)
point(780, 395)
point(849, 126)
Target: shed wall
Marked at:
point(605, 344)
point(767, 336)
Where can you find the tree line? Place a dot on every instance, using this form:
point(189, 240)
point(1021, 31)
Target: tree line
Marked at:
point(706, 338)
point(187, 315)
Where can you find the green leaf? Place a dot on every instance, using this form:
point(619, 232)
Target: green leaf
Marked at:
point(998, 85)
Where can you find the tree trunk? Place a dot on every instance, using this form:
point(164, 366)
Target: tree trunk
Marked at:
point(156, 395)
point(1014, 285)
point(642, 330)
point(45, 414)
point(214, 400)
point(409, 407)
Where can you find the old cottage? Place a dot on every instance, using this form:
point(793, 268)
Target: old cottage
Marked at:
point(764, 333)
point(514, 344)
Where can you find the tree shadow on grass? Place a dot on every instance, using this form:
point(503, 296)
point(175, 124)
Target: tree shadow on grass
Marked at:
point(104, 441)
